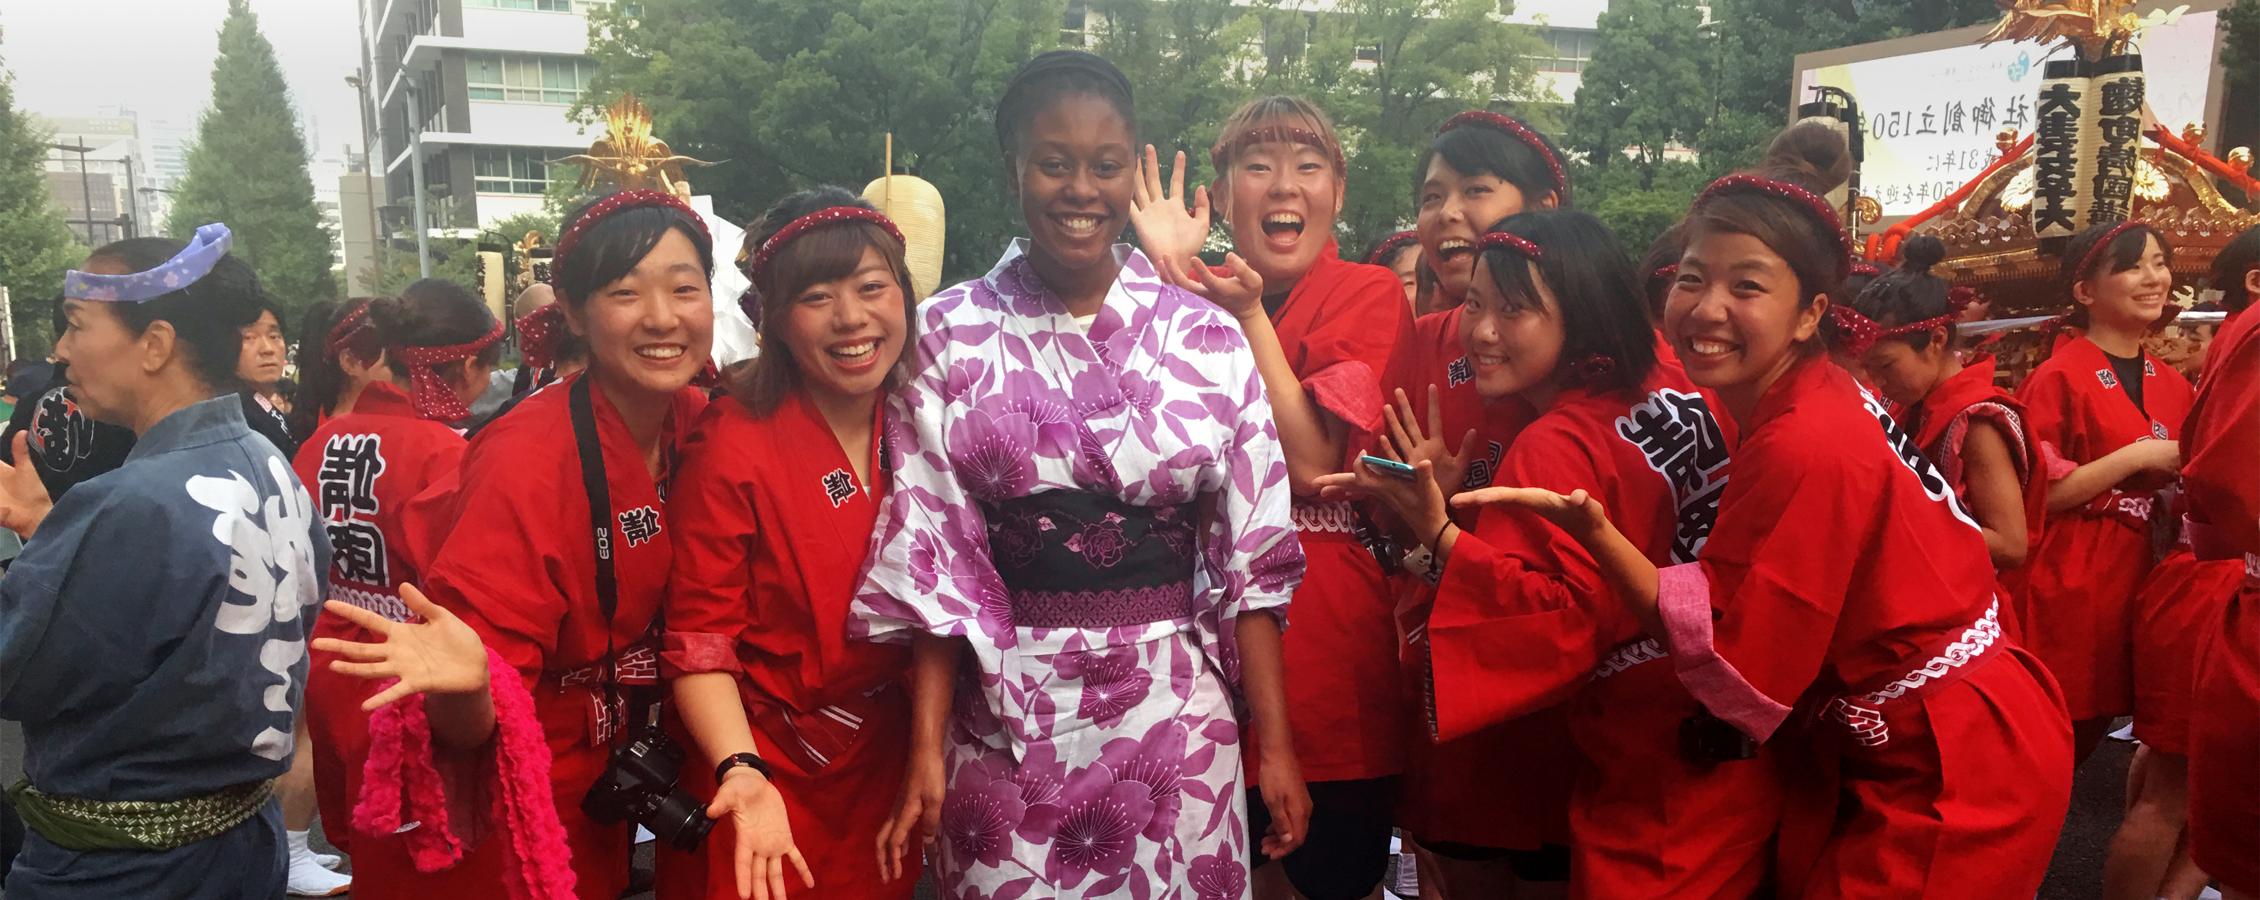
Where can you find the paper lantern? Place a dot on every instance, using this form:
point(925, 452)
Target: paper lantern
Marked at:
point(2058, 113)
point(2116, 136)
point(489, 273)
point(916, 206)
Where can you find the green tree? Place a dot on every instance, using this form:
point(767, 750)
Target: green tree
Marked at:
point(248, 169)
point(35, 245)
point(1179, 56)
point(452, 260)
point(1637, 204)
point(1642, 91)
point(1389, 72)
point(793, 94)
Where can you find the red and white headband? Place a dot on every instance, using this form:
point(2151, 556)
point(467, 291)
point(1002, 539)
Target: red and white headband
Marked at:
point(1390, 245)
point(342, 334)
point(1860, 332)
point(622, 201)
point(1226, 147)
point(2087, 260)
point(830, 215)
point(1515, 243)
point(1513, 127)
point(1822, 213)
point(432, 396)
point(539, 333)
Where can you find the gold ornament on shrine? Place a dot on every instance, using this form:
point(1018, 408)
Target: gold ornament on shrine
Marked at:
point(630, 157)
point(2096, 27)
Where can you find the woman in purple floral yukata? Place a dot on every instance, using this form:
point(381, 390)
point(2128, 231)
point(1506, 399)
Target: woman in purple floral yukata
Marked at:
point(1089, 545)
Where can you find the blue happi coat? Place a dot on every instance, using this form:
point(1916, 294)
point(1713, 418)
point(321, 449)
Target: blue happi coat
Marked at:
point(153, 644)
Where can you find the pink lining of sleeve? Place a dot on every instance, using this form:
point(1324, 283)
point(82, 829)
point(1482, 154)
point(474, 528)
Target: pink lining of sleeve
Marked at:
point(1350, 391)
point(2053, 462)
point(695, 653)
point(401, 783)
point(1683, 599)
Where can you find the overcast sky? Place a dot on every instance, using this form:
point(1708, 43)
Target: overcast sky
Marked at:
point(79, 57)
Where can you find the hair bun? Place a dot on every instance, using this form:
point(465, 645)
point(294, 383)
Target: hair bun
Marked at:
point(1920, 252)
point(1811, 154)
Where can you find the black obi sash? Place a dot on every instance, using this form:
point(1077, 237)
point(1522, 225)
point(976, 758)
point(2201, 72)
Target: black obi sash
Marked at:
point(1074, 559)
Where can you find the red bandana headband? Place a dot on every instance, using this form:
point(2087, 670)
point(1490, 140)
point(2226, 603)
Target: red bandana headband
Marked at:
point(432, 397)
point(1514, 128)
point(1664, 272)
point(1812, 203)
point(1861, 332)
point(2079, 273)
point(1500, 240)
point(539, 333)
point(1270, 133)
point(830, 215)
point(1866, 269)
point(624, 200)
point(1389, 245)
point(342, 334)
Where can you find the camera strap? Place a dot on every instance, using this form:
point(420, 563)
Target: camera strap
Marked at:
point(600, 527)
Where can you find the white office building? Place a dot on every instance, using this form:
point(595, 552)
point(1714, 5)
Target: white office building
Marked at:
point(488, 84)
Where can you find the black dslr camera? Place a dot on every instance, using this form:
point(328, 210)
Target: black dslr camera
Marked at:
point(1708, 740)
point(640, 785)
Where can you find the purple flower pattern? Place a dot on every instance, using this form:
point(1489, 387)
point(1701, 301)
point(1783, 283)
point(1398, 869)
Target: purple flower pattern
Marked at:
point(1069, 772)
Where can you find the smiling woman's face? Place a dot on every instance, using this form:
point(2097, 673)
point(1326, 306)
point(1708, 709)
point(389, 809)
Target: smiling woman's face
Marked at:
point(651, 331)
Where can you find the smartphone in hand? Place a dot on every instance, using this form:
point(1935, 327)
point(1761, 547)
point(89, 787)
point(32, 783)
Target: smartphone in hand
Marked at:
point(1389, 467)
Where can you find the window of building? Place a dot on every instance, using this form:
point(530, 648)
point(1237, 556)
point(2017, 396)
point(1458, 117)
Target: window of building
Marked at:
point(519, 78)
point(1568, 50)
point(510, 170)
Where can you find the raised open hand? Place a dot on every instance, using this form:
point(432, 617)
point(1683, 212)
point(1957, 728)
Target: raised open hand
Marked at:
point(1415, 442)
point(1165, 228)
point(439, 655)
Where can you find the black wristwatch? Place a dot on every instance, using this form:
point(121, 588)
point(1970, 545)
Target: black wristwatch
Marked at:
point(735, 760)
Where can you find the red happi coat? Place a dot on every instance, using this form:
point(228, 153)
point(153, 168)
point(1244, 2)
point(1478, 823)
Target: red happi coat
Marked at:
point(1505, 786)
point(2221, 453)
point(363, 468)
point(1523, 619)
point(771, 527)
point(2077, 603)
point(510, 551)
point(1844, 578)
point(1940, 424)
point(1342, 327)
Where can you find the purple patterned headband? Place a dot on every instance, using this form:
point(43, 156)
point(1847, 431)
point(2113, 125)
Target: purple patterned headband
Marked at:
point(187, 267)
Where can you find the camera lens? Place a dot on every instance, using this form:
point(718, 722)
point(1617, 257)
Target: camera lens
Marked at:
point(680, 820)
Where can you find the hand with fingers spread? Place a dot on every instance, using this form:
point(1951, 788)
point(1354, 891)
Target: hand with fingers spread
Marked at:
point(918, 814)
point(1576, 512)
point(1417, 501)
point(764, 834)
point(1415, 442)
point(1165, 228)
point(1238, 290)
point(23, 497)
point(438, 655)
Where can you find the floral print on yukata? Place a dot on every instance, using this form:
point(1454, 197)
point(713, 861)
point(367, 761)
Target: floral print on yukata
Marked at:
point(1081, 761)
